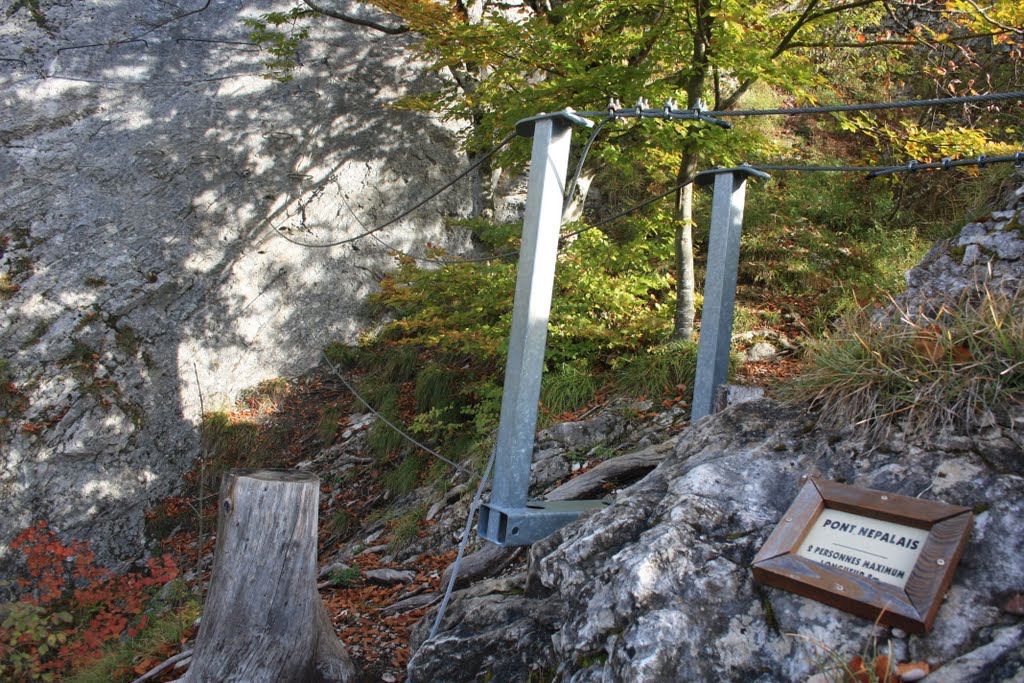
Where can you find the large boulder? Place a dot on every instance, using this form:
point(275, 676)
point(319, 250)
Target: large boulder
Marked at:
point(658, 586)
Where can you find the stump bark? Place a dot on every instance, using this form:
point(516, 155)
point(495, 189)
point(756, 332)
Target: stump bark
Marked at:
point(263, 619)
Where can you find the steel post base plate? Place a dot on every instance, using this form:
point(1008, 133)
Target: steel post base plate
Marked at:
point(523, 526)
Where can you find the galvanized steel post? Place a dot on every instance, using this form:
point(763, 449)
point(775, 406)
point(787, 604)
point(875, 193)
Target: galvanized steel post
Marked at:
point(719, 284)
point(508, 519)
point(534, 283)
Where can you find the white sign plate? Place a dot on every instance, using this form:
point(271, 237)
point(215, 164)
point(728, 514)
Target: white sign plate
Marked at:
point(885, 551)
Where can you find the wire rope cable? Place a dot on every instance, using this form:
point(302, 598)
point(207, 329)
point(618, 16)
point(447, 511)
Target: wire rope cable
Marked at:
point(463, 542)
point(398, 430)
point(823, 109)
point(469, 169)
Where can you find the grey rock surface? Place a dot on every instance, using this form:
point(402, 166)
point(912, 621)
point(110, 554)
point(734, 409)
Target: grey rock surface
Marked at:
point(658, 587)
point(145, 167)
point(986, 254)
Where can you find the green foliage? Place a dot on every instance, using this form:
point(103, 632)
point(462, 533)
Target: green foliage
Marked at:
point(346, 577)
point(280, 34)
point(955, 369)
point(836, 244)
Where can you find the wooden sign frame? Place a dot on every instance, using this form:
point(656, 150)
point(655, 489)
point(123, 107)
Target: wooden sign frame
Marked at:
point(912, 608)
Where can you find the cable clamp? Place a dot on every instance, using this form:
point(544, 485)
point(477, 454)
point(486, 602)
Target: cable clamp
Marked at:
point(613, 106)
point(947, 163)
point(1018, 159)
point(670, 106)
point(641, 104)
point(912, 165)
point(982, 160)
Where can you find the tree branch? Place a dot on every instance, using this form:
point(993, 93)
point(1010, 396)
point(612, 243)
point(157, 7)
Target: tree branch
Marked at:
point(918, 41)
point(841, 8)
point(390, 29)
point(804, 18)
point(990, 20)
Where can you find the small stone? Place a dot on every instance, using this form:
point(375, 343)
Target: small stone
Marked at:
point(759, 352)
point(434, 509)
point(912, 671)
point(389, 577)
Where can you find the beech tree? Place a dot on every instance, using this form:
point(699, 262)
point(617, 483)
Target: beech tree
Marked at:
point(504, 61)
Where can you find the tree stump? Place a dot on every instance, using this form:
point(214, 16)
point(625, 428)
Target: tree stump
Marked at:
point(263, 619)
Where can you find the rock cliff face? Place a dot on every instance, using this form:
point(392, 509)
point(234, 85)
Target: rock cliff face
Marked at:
point(658, 586)
point(142, 277)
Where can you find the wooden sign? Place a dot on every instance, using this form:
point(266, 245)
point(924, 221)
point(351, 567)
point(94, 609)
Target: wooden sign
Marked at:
point(879, 555)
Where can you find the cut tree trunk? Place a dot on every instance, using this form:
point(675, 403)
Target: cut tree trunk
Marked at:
point(263, 619)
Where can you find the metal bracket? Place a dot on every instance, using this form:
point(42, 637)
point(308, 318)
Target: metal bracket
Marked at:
point(526, 127)
point(539, 519)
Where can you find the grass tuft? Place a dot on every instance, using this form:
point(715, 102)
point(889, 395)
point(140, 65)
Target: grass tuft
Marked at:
point(954, 369)
point(570, 387)
point(342, 523)
point(434, 387)
point(345, 356)
point(404, 477)
point(406, 529)
point(660, 370)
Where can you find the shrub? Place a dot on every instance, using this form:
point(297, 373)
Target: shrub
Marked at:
point(73, 607)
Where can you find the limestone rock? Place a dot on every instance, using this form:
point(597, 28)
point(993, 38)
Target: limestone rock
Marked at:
point(658, 587)
point(985, 254)
point(143, 182)
point(387, 577)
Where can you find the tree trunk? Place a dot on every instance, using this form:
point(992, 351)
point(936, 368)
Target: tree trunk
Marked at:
point(263, 619)
point(682, 328)
point(686, 308)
